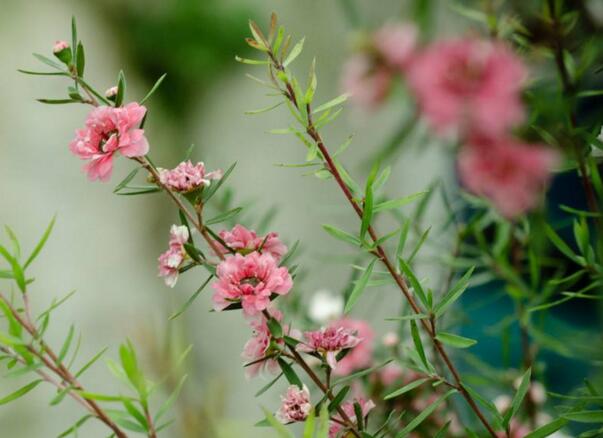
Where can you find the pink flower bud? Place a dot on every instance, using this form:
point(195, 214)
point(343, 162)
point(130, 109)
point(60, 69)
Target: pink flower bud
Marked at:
point(59, 46)
point(62, 51)
point(111, 93)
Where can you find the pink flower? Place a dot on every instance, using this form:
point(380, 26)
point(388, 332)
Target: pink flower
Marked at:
point(396, 43)
point(390, 374)
point(329, 342)
point(259, 346)
point(107, 131)
point(468, 83)
point(245, 241)
point(187, 177)
point(250, 280)
point(295, 405)
point(361, 356)
point(171, 260)
point(367, 82)
point(511, 174)
point(365, 406)
point(59, 46)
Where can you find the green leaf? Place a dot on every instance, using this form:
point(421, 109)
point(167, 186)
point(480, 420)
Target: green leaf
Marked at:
point(15, 242)
point(359, 287)
point(73, 429)
point(20, 392)
point(49, 62)
point(454, 293)
point(416, 338)
point(412, 316)
point(397, 203)
point(414, 282)
point(213, 188)
point(359, 374)
point(277, 425)
point(522, 390)
point(561, 245)
point(289, 373)
point(126, 180)
point(190, 301)
point(269, 385)
point(406, 388)
point(18, 273)
point(223, 217)
point(91, 362)
point(121, 88)
point(309, 424)
point(583, 416)
point(443, 431)
point(252, 61)
point(424, 414)
point(341, 235)
point(57, 101)
point(264, 110)
point(455, 341)
point(80, 59)
point(66, 344)
point(276, 330)
point(323, 427)
point(367, 214)
point(418, 246)
point(485, 402)
point(339, 398)
point(73, 36)
point(295, 51)
point(153, 89)
point(403, 236)
point(548, 429)
point(331, 103)
point(134, 412)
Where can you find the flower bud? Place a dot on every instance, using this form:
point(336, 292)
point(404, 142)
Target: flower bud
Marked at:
point(111, 93)
point(62, 51)
point(390, 340)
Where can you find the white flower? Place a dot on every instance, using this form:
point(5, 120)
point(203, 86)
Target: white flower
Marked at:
point(325, 306)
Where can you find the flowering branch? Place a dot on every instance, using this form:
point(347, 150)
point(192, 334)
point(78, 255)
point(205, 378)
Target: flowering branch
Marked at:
point(304, 115)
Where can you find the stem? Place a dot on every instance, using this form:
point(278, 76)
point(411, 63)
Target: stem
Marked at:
point(152, 432)
point(379, 252)
point(57, 367)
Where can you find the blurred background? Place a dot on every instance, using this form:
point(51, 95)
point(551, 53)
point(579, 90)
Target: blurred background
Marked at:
point(106, 246)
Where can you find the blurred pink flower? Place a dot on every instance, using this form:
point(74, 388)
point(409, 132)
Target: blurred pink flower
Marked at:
point(258, 346)
point(107, 131)
point(171, 260)
point(390, 374)
point(367, 82)
point(361, 356)
point(365, 406)
point(295, 405)
point(518, 430)
point(329, 342)
point(250, 280)
point(462, 84)
point(187, 177)
point(396, 43)
point(245, 241)
point(511, 174)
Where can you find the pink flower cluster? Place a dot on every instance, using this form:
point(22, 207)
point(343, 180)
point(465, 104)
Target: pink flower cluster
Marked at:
point(365, 406)
point(250, 280)
point(473, 88)
point(187, 177)
point(295, 405)
point(171, 260)
point(245, 241)
point(109, 130)
point(329, 342)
